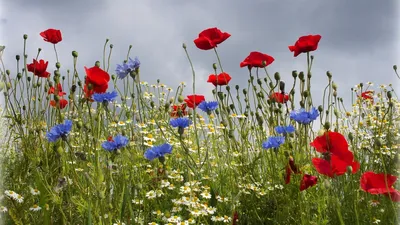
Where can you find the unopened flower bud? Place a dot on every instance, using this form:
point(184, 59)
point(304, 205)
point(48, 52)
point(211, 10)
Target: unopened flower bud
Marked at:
point(389, 94)
point(245, 91)
point(329, 74)
point(349, 170)
point(111, 45)
point(29, 79)
point(264, 63)
point(305, 94)
point(334, 94)
point(320, 108)
point(214, 66)
point(113, 77)
point(228, 88)
point(74, 54)
point(58, 65)
point(97, 64)
point(237, 87)
point(19, 76)
point(309, 75)
point(334, 86)
point(301, 75)
point(180, 98)
point(327, 125)
point(277, 76)
point(394, 67)
point(294, 74)
point(25, 36)
point(282, 86)
point(184, 46)
point(17, 57)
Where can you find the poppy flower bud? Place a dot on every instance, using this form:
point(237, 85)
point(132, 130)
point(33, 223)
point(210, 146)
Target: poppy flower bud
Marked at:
point(334, 86)
point(394, 67)
point(292, 92)
point(237, 87)
point(282, 86)
point(113, 77)
point(8, 72)
point(294, 74)
point(216, 112)
point(312, 57)
point(271, 85)
point(111, 45)
point(180, 98)
point(75, 54)
point(245, 91)
point(19, 75)
point(171, 100)
point(17, 57)
point(260, 95)
point(309, 75)
point(152, 104)
point(214, 66)
point(97, 64)
point(361, 85)
point(277, 76)
point(228, 88)
point(221, 95)
point(8, 85)
point(56, 98)
point(320, 108)
point(327, 125)
point(24, 107)
point(184, 46)
point(57, 73)
point(214, 91)
point(301, 75)
point(29, 79)
point(328, 74)
point(301, 104)
point(264, 63)
point(63, 77)
point(58, 65)
point(334, 94)
point(336, 113)
point(305, 94)
point(79, 125)
point(25, 36)
point(389, 94)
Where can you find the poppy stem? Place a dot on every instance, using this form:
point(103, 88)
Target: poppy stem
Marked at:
point(219, 61)
point(55, 50)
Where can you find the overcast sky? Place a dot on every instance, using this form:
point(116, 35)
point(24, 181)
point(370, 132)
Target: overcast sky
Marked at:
point(359, 37)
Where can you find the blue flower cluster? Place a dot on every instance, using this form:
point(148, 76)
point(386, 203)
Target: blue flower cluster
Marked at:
point(105, 97)
point(124, 69)
point(181, 122)
point(117, 142)
point(59, 131)
point(284, 129)
point(208, 107)
point(273, 142)
point(303, 117)
point(158, 151)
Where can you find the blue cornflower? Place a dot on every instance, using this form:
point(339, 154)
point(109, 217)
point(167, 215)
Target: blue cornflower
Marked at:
point(105, 97)
point(208, 106)
point(117, 142)
point(304, 117)
point(284, 129)
point(180, 122)
point(273, 142)
point(158, 151)
point(124, 69)
point(59, 131)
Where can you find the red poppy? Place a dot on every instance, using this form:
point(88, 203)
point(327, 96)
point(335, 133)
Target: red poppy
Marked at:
point(256, 59)
point(381, 183)
point(177, 108)
point(97, 79)
point(59, 89)
point(210, 38)
point(368, 95)
point(308, 181)
point(51, 35)
point(335, 166)
point(291, 168)
point(39, 68)
point(305, 44)
point(220, 79)
point(279, 97)
point(333, 143)
point(194, 100)
point(63, 103)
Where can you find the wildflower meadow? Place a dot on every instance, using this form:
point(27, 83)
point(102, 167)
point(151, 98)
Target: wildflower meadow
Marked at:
point(100, 145)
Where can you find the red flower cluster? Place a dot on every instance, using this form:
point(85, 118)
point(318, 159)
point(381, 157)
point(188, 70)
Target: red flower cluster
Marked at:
point(220, 79)
point(368, 95)
point(305, 44)
point(257, 59)
point(178, 110)
point(210, 38)
point(62, 102)
point(337, 156)
point(194, 100)
point(51, 35)
point(307, 180)
point(38, 68)
point(279, 97)
point(96, 81)
point(381, 183)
